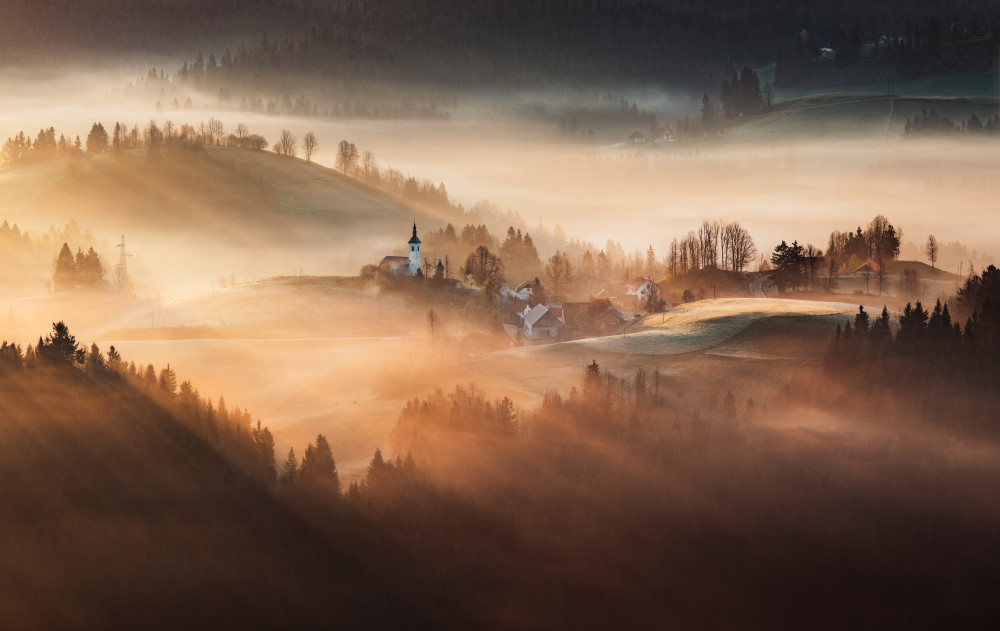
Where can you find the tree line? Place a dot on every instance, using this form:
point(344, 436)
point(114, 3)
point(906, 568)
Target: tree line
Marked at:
point(21, 149)
point(931, 124)
point(926, 349)
point(798, 266)
point(606, 43)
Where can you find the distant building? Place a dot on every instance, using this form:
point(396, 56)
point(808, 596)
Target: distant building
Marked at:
point(414, 251)
point(637, 138)
point(870, 267)
point(539, 323)
point(641, 287)
point(404, 265)
point(523, 291)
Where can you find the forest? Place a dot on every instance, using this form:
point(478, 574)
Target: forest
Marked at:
point(489, 42)
point(628, 500)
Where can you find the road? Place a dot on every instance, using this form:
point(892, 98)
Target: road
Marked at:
point(755, 288)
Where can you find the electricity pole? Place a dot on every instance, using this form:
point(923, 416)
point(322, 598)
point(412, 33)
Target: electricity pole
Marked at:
point(121, 270)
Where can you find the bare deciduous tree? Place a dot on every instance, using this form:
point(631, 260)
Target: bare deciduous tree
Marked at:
point(559, 271)
point(369, 167)
point(736, 246)
point(215, 130)
point(486, 270)
point(286, 145)
point(309, 145)
point(241, 134)
point(347, 157)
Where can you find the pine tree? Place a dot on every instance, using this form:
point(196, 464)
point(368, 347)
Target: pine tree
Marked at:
point(64, 276)
point(263, 443)
point(319, 467)
point(506, 416)
point(60, 346)
point(97, 139)
point(376, 469)
point(290, 472)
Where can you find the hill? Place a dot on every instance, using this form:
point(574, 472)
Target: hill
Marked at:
point(117, 514)
point(193, 215)
point(704, 325)
point(925, 271)
point(851, 113)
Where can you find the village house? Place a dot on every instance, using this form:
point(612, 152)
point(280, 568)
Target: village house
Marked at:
point(540, 323)
point(523, 291)
point(637, 138)
point(870, 267)
point(641, 287)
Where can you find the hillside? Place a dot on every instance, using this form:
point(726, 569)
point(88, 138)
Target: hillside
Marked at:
point(118, 515)
point(191, 216)
point(925, 271)
point(852, 113)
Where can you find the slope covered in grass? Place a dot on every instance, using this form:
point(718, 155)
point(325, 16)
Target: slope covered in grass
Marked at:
point(702, 325)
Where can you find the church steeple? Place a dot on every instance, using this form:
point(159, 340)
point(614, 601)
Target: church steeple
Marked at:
point(414, 251)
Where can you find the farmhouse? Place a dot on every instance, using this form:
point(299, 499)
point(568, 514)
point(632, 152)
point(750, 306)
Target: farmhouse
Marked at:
point(523, 291)
point(637, 138)
point(539, 323)
point(870, 267)
point(404, 265)
point(641, 287)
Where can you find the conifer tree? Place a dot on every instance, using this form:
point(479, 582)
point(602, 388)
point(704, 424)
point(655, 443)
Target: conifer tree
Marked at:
point(60, 346)
point(168, 380)
point(318, 466)
point(290, 471)
point(64, 276)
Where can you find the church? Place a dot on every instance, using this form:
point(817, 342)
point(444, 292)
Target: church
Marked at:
point(404, 265)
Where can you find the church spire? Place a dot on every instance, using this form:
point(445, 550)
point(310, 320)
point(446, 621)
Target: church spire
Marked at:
point(414, 238)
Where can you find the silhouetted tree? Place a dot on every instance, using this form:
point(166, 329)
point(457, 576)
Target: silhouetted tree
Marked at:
point(347, 157)
point(64, 276)
point(168, 380)
point(97, 139)
point(286, 145)
point(309, 145)
point(290, 470)
point(506, 416)
point(559, 272)
point(931, 249)
point(60, 346)
point(318, 467)
point(787, 263)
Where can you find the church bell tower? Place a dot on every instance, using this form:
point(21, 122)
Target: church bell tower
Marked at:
point(414, 252)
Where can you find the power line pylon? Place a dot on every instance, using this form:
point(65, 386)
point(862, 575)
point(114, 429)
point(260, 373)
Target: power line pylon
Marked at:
point(121, 270)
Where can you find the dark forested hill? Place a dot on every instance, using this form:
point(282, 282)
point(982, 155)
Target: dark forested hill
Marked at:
point(488, 42)
point(124, 510)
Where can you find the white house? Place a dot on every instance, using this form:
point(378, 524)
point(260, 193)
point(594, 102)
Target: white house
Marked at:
point(404, 265)
point(523, 291)
point(539, 323)
point(641, 288)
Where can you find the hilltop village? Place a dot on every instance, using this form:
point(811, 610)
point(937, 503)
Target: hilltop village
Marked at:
point(529, 311)
point(576, 293)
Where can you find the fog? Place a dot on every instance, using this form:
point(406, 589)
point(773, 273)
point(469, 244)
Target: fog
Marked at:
point(664, 458)
point(782, 185)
